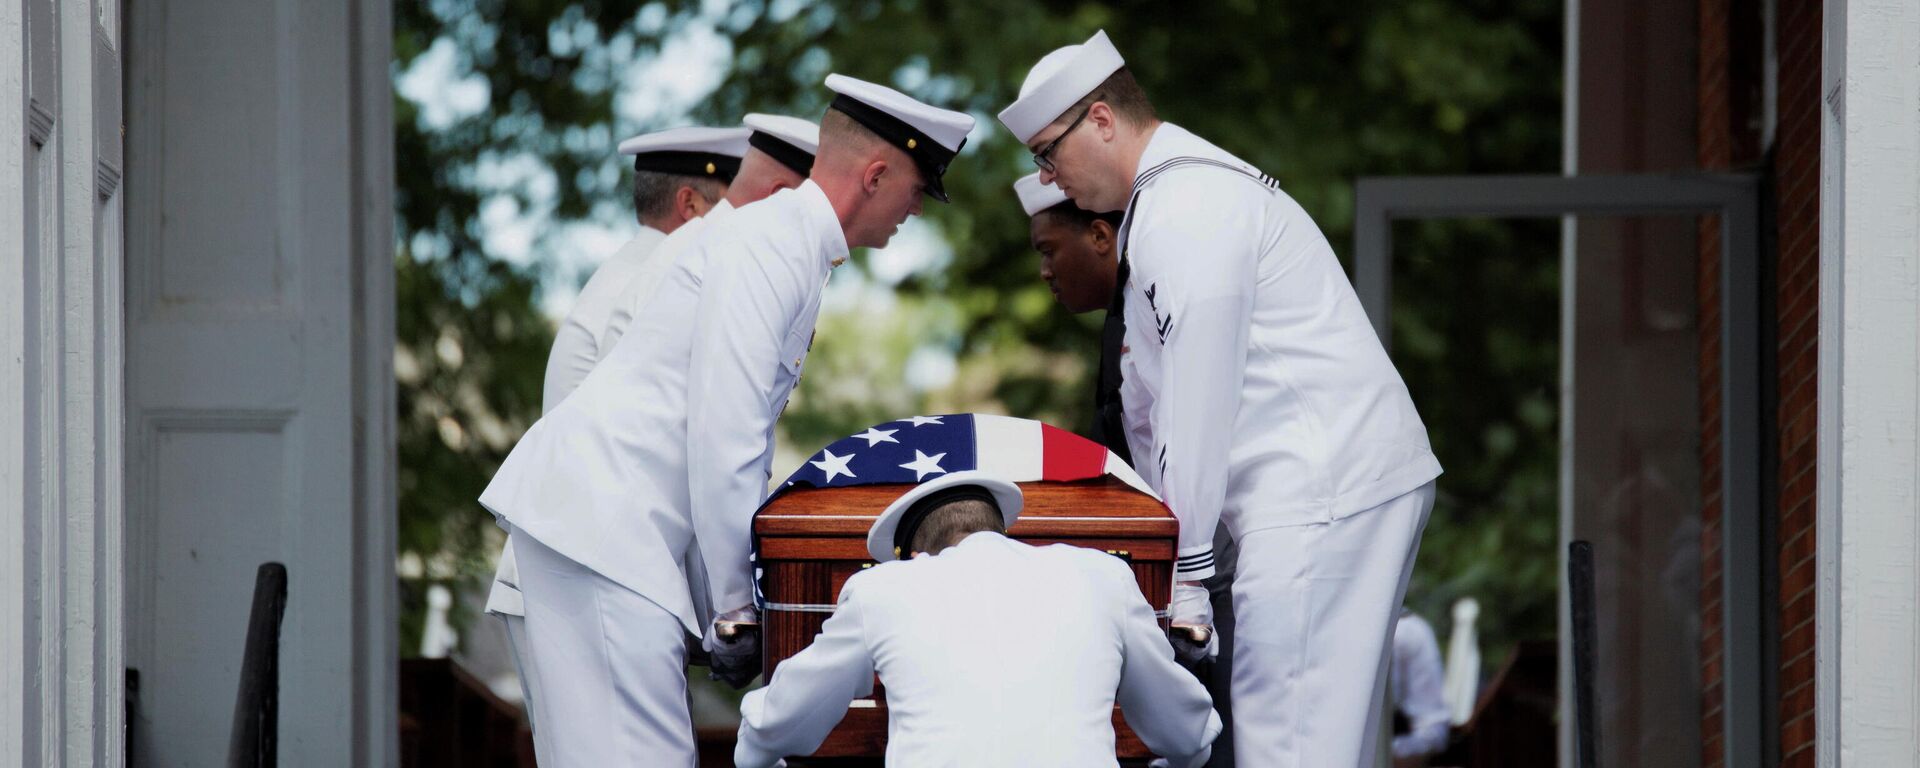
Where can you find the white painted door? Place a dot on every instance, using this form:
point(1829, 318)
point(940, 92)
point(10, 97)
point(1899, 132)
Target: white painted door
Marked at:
point(257, 370)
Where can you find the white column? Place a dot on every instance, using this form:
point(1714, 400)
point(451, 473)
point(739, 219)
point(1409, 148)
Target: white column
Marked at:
point(13, 346)
point(1868, 652)
point(60, 362)
point(376, 662)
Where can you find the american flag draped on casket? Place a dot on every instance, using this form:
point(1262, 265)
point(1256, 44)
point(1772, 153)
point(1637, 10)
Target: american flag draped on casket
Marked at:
point(914, 449)
point(810, 535)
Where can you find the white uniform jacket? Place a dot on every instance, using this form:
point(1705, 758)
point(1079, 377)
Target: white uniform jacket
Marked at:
point(576, 344)
point(646, 280)
point(604, 478)
point(576, 350)
point(993, 653)
point(600, 317)
point(1255, 390)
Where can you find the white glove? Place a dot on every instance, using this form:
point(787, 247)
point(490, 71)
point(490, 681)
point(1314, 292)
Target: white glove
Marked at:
point(1192, 612)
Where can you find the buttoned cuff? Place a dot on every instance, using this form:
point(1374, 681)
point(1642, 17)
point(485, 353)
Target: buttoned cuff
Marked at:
point(1193, 563)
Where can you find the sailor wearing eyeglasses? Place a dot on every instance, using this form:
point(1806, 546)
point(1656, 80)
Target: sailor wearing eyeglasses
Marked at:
point(1254, 393)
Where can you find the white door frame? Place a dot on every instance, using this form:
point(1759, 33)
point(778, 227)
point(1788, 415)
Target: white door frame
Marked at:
point(1867, 559)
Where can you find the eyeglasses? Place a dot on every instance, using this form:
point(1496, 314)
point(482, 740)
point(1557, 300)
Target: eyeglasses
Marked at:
point(1044, 157)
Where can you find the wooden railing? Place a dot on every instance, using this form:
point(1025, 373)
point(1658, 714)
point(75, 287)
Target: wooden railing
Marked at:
point(450, 718)
point(256, 711)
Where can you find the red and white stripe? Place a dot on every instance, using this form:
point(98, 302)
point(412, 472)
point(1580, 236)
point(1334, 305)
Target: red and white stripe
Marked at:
point(1024, 451)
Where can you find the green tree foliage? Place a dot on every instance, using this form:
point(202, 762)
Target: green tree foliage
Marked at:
point(1316, 93)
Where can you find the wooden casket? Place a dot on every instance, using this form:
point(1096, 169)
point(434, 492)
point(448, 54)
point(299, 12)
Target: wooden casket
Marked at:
point(810, 540)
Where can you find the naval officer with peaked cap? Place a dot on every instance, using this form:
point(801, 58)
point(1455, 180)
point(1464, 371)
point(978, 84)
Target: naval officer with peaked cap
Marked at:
point(993, 652)
point(778, 155)
point(1256, 394)
point(881, 152)
point(603, 494)
point(678, 174)
point(780, 151)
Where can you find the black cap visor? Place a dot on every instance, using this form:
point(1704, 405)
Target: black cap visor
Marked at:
point(695, 164)
point(800, 160)
point(928, 155)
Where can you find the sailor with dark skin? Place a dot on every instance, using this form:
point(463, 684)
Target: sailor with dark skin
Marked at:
point(1076, 247)
point(1079, 262)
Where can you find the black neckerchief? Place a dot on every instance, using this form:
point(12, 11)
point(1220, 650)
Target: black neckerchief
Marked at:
point(1109, 428)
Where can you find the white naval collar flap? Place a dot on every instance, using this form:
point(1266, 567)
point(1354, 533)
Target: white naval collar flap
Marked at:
point(1168, 142)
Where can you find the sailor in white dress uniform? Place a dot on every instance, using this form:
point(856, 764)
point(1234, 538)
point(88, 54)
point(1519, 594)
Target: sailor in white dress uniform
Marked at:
point(1255, 393)
point(755, 325)
point(678, 174)
point(670, 433)
point(779, 156)
point(993, 652)
point(1079, 260)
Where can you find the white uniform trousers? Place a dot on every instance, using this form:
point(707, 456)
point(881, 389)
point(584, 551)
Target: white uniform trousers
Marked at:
point(504, 601)
point(1314, 608)
point(516, 626)
point(609, 668)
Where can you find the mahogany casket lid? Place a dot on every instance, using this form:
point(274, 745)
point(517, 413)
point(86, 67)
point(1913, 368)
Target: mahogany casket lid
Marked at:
point(1103, 506)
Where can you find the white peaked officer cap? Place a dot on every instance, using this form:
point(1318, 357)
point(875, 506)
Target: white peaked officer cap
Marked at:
point(790, 140)
point(892, 534)
point(1035, 196)
point(1057, 81)
point(695, 151)
point(930, 135)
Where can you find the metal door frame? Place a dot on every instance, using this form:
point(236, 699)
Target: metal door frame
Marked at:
point(1735, 199)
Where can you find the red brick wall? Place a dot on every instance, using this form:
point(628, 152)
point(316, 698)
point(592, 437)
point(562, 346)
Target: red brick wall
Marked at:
point(1716, 152)
point(1796, 168)
point(1728, 138)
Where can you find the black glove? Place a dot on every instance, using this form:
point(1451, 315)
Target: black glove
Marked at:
point(735, 658)
point(1193, 645)
point(1192, 635)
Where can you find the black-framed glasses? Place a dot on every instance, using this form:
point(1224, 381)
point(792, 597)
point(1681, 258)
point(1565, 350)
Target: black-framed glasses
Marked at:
point(1044, 157)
